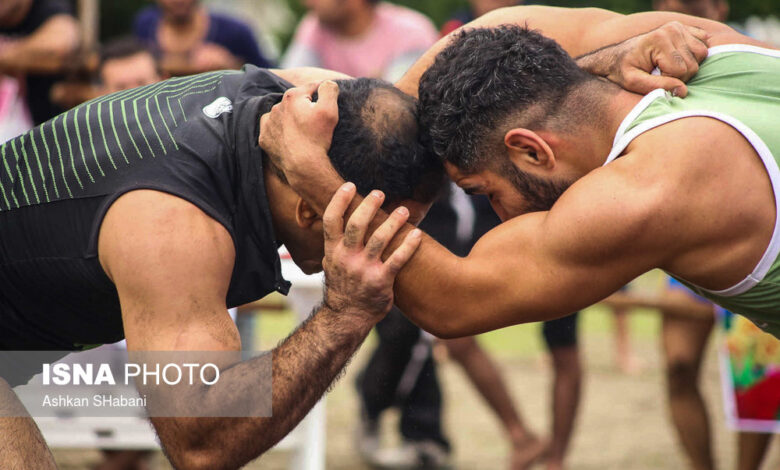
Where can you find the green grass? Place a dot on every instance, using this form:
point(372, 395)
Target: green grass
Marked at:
point(516, 341)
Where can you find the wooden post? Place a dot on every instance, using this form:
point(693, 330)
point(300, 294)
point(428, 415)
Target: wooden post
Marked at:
point(89, 13)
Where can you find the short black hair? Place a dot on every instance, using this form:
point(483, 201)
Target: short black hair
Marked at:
point(122, 48)
point(376, 143)
point(485, 77)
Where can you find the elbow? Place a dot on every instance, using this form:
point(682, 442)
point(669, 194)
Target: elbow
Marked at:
point(443, 323)
point(452, 328)
point(195, 459)
point(203, 458)
point(212, 454)
point(447, 333)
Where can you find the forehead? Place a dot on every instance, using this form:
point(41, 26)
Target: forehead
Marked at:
point(459, 175)
point(132, 63)
point(417, 209)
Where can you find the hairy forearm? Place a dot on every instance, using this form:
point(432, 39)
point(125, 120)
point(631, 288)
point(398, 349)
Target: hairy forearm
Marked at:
point(304, 366)
point(600, 62)
point(46, 51)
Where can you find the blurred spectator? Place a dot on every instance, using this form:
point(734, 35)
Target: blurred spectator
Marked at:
point(562, 342)
point(476, 9)
point(402, 373)
point(126, 63)
point(14, 116)
point(37, 38)
point(717, 10)
point(362, 38)
point(190, 39)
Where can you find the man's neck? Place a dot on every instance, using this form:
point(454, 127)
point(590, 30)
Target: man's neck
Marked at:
point(594, 139)
point(358, 24)
point(618, 108)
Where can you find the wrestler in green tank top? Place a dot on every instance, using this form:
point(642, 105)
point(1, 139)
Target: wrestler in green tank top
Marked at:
point(739, 85)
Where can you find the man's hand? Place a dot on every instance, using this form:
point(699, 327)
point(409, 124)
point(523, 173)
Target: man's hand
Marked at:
point(356, 278)
point(676, 50)
point(297, 132)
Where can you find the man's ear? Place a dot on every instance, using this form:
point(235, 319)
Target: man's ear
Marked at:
point(305, 215)
point(526, 147)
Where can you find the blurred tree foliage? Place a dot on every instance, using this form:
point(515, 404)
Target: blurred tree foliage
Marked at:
point(116, 18)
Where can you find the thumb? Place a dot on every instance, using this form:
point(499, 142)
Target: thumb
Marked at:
point(643, 83)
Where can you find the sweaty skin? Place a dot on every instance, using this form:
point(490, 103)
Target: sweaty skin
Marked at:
point(612, 225)
point(172, 265)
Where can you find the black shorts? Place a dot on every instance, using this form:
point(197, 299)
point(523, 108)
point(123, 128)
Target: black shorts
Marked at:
point(562, 332)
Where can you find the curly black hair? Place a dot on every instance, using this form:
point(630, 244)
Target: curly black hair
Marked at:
point(485, 79)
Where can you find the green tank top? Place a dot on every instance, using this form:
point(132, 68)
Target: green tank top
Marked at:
point(739, 85)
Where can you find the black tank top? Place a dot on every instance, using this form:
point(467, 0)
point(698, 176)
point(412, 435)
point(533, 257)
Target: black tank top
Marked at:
point(193, 137)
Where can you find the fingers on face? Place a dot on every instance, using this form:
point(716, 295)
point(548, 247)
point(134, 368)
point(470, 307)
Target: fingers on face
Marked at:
point(333, 218)
point(403, 253)
point(379, 240)
point(357, 225)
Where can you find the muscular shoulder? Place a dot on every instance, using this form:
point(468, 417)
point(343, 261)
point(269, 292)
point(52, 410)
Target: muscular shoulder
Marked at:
point(714, 188)
point(153, 237)
point(691, 149)
point(609, 213)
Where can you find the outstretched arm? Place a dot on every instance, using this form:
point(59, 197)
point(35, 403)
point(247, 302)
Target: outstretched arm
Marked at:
point(581, 31)
point(172, 264)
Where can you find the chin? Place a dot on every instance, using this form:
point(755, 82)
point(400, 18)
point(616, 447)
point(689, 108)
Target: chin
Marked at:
point(310, 267)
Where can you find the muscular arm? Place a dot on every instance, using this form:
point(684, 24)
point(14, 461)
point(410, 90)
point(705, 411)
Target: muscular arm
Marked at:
point(300, 76)
point(537, 266)
point(171, 264)
point(47, 50)
point(579, 31)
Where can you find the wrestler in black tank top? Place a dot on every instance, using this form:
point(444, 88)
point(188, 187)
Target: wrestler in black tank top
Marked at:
point(193, 137)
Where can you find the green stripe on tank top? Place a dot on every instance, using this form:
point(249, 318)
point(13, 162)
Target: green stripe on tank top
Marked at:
point(20, 178)
point(40, 167)
point(48, 160)
point(10, 176)
point(70, 149)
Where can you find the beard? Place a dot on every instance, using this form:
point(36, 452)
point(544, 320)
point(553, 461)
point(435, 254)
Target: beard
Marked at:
point(539, 194)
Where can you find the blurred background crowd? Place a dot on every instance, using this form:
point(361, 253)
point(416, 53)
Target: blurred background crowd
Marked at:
point(412, 401)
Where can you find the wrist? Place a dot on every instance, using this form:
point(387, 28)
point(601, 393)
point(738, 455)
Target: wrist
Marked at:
point(355, 319)
point(594, 63)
